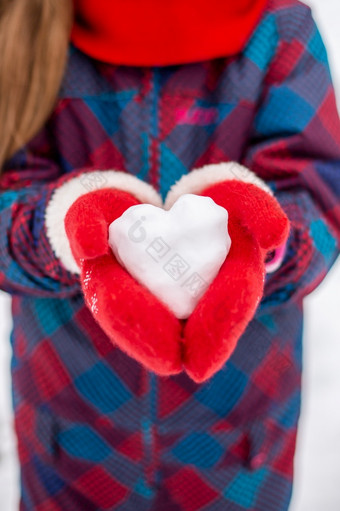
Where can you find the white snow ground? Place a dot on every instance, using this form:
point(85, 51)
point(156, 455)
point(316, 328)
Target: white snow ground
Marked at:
point(317, 461)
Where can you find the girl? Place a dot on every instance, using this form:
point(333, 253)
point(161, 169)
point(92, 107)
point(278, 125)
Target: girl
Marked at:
point(155, 91)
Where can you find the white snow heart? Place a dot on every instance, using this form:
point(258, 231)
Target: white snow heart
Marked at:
point(177, 253)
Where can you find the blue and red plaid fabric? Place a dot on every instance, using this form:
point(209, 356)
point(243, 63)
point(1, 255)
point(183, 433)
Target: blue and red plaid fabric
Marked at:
point(96, 431)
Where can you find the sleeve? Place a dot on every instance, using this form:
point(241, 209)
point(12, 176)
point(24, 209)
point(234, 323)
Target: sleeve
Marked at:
point(294, 145)
point(28, 265)
point(35, 195)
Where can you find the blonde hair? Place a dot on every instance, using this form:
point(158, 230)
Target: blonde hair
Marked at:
point(34, 37)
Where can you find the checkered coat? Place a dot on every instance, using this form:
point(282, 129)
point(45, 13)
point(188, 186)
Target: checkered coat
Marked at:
point(96, 431)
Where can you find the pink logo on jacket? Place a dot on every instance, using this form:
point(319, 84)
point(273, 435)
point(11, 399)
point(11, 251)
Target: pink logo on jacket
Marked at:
point(196, 115)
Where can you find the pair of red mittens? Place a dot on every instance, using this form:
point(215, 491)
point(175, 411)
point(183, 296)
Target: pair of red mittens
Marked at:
point(137, 321)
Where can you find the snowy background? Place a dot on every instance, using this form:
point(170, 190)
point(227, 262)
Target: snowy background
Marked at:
point(317, 460)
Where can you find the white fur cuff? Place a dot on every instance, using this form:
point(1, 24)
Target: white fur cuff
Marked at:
point(199, 179)
point(64, 196)
point(193, 182)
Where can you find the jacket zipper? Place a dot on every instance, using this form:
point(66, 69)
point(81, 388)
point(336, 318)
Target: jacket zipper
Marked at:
point(150, 419)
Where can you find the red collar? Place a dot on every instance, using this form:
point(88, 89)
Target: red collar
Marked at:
point(163, 32)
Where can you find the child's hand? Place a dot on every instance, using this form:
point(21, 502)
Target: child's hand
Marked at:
point(131, 316)
point(257, 224)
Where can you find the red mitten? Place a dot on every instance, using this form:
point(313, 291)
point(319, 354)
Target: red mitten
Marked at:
point(257, 224)
point(88, 219)
point(129, 314)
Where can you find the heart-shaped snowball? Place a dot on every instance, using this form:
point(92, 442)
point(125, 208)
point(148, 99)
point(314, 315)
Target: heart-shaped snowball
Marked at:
point(176, 254)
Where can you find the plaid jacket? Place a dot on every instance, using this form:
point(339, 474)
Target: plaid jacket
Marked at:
point(95, 430)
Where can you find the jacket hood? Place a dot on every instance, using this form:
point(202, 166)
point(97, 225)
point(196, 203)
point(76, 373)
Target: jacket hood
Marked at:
point(158, 33)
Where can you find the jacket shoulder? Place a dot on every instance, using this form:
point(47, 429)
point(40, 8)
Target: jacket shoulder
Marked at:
point(288, 15)
point(281, 21)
